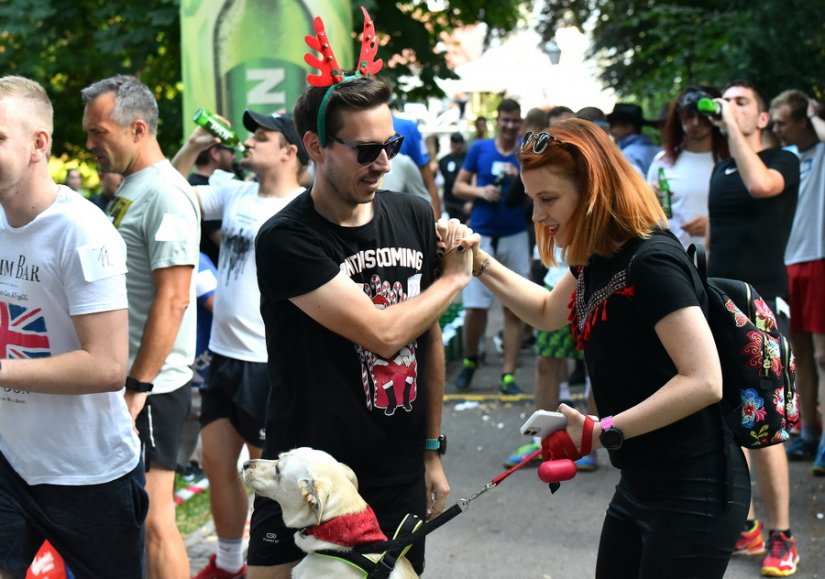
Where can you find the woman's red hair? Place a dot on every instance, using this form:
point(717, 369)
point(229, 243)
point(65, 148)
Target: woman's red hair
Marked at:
point(615, 202)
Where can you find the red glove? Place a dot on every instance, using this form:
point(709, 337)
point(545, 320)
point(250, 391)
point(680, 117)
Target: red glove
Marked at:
point(558, 444)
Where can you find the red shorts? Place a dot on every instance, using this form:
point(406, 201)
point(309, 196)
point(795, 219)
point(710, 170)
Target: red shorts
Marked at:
point(806, 285)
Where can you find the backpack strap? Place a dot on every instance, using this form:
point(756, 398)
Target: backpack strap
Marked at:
point(697, 254)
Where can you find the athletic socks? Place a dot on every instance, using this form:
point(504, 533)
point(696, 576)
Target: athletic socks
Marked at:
point(230, 554)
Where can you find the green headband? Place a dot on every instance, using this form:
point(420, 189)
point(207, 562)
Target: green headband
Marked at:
point(321, 121)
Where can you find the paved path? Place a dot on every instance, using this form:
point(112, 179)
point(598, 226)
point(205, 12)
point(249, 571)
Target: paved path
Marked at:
point(521, 530)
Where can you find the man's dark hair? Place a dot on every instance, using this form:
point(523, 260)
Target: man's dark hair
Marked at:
point(360, 93)
point(508, 106)
point(205, 156)
point(559, 110)
point(592, 114)
point(536, 119)
point(744, 83)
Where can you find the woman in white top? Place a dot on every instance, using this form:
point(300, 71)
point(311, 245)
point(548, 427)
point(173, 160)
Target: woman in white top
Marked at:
point(691, 146)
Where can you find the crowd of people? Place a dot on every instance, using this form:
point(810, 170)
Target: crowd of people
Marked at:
point(293, 299)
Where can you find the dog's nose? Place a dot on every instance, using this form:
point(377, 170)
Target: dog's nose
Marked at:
point(247, 465)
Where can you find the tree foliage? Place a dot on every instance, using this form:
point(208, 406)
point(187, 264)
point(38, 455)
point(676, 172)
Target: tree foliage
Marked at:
point(651, 49)
point(68, 44)
point(413, 30)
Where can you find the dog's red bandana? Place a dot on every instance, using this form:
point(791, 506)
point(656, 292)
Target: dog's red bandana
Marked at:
point(349, 530)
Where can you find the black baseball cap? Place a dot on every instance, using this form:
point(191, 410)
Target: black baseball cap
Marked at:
point(692, 96)
point(275, 122)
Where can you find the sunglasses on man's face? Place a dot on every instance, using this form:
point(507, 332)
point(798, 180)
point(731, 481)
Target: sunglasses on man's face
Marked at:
point(369, 152)
point(540, 141)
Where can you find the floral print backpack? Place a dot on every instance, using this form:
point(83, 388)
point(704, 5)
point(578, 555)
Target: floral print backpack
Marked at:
point(759, 400)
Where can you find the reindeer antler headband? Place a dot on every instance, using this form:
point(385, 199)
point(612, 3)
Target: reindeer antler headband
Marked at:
point(331, 74)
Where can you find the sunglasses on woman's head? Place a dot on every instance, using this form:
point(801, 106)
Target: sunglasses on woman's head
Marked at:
point(369, 152)
point(540, 141)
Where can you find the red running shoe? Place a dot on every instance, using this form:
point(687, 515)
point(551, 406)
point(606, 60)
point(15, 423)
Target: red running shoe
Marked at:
point(750, 542)
point(212, 571)
point(782, 557)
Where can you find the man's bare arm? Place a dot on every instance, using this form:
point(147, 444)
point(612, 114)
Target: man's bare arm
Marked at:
point(465, 188)
point(164, 320)
point(341, 306)
point(198, 141)
point(99, 365)
point(438, 489)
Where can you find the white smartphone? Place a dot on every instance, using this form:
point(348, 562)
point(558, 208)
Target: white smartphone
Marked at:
point(543, 422)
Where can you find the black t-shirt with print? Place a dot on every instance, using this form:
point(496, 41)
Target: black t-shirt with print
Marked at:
point(626, 361)
point(748, 235)
point(327, 392)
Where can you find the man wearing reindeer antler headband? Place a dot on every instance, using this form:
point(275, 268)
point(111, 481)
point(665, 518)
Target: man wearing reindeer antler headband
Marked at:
point(351, 302)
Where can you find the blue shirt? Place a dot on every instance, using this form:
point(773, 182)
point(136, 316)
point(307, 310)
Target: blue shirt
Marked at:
point(413, 145)
point(487, 163)
point(639, 150)
point(206, 283)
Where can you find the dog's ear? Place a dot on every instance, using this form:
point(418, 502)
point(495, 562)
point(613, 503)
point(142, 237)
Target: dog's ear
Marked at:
point(350, 474)
point(316, 494)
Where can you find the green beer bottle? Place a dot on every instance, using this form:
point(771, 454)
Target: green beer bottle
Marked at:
point(665, 193)
point(709, 107)
point(259, 51)
point(218, 129)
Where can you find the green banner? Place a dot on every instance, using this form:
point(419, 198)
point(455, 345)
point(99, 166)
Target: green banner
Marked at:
point(249, 54)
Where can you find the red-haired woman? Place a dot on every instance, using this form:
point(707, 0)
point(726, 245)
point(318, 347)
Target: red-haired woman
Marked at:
point(636, 311)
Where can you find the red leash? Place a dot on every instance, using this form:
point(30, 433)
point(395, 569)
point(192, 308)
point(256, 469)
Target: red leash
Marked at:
point(513, 469)
point(551, 471)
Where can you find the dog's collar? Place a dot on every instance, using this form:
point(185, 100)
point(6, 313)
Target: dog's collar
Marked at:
point(349, 530)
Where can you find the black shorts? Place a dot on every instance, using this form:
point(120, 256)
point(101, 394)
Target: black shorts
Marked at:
point(160, 426)
point(98, 528)
point(272, 543)
point(237, 390)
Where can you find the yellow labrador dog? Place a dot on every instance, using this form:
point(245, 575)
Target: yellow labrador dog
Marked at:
point(319, 496)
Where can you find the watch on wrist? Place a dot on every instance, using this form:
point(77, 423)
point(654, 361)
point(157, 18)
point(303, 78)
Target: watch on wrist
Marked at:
point(438, 445)
point(610, 438)
point(138, 386)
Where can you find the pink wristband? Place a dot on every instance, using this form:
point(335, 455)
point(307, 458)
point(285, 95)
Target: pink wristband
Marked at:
point(606, 423)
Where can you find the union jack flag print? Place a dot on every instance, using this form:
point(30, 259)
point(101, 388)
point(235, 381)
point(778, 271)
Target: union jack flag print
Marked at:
point(22, 332)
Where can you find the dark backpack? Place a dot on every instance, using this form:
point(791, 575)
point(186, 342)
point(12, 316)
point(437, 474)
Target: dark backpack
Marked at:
point(759, 400)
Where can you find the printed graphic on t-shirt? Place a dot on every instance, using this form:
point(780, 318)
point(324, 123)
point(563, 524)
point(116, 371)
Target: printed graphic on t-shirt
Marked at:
point(118, 209)
point(388, 384)
point(235, 246)
point(23, 332)
point(19, 269)
point(383, 257)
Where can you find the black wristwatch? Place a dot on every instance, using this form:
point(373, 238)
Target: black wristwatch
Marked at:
point(438, 445)
point(138, 386)
point(611, 438)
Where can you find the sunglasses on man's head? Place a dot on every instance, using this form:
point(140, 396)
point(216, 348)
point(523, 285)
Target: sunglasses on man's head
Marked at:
point(540, 141)
point(369, 152)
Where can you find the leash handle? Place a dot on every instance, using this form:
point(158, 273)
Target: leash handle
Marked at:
point(444, 517)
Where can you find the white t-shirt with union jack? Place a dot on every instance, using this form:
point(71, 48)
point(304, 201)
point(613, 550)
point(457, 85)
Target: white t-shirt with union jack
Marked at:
point(68, 261)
